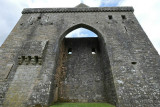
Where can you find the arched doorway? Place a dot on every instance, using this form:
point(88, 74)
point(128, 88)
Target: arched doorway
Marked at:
point(83, 73)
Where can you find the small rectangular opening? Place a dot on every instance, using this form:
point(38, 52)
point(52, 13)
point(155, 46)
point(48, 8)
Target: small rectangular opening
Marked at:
point(110, 17)
point(39, 18)
point(123, 17)
point(133, 63)
point(29, 59)
point(23, 58)
point(70, 51)
point(93, 51)
point(36, 59)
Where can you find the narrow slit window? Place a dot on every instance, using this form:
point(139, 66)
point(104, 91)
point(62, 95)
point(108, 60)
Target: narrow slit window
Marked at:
point(29, 58)
point(36, 59)
point(23, 58)
point(70, 51)
point(110, 17)
point(123, 17)
point(93, 51)
point(125, 28)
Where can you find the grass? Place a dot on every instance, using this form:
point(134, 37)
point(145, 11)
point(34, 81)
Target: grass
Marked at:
point(82, 105)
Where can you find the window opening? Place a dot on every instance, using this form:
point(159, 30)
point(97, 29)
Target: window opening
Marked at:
point(110, 17)
point(134, 63)
point(36, 59)
point(39, 18)
point(21, 24)
point(23, 58)
point(93, 51)
point(123, 17)
point(29, 58)
point(70, 51)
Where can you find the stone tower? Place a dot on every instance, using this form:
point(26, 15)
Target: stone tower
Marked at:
point(39, 66)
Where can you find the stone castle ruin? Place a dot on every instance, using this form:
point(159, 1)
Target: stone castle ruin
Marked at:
point(40, 66)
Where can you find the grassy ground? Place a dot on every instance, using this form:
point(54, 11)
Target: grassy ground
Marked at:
point(82, 105)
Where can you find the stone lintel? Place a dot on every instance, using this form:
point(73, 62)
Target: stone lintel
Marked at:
point(70, 10)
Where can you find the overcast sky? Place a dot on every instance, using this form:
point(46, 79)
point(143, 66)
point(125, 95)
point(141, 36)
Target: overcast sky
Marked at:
point(146, 11)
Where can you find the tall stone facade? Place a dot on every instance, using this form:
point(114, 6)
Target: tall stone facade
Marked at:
point(39, 66)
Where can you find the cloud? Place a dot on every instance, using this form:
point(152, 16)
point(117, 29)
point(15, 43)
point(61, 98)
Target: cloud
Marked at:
point(148, 14)
point(74, 33)
point(81, 32)
point(92, 3)
point(109, 3)
point(10, 13)
point(52, 3)
point(61, 3)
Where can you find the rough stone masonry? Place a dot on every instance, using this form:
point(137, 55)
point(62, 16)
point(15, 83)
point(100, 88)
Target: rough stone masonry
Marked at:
point(40, 66)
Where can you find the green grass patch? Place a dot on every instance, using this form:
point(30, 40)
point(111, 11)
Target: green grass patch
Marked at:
point(82, 105)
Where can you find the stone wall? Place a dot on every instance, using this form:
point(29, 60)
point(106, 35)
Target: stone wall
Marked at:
point(83, 77)
point(135, 64)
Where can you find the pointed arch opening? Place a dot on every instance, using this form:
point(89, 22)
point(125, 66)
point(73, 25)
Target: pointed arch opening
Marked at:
point(83, 73)
point(81, 26)
point(81, 33)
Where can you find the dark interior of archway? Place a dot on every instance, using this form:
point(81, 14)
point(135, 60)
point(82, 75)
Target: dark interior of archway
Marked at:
point(83, 73)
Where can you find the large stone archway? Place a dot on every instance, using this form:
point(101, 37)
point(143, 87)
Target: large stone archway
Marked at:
point(84, 73)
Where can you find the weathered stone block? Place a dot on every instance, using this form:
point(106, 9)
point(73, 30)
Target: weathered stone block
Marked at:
point(34, 48)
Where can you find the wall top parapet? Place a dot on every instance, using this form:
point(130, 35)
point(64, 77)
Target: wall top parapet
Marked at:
point(74, 10)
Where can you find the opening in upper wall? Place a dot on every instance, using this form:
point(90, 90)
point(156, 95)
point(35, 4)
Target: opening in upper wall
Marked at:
point(123, 17)
point(69, 51)
point(110, 17)
point(93, 51)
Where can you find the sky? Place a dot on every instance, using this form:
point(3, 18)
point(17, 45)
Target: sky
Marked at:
point(146, 11)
